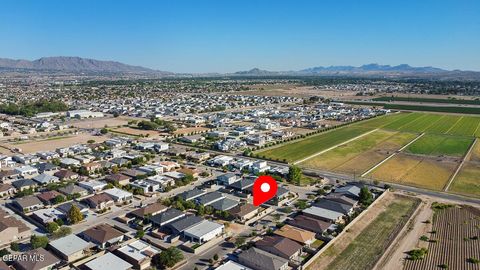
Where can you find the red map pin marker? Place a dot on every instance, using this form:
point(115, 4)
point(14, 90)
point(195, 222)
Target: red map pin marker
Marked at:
point(264, 188)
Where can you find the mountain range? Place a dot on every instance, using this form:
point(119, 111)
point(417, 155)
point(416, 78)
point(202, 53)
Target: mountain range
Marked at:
point(85, 65)
point(75, 64)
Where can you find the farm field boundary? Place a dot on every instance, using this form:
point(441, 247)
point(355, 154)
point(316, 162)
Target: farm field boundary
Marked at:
point(461, 165)
point(392, 155)
point(335, 146)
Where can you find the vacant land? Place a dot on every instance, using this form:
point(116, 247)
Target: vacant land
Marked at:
point(429, 100)
point(135, 131)
point(437, 145)
point(467, 180)
point(314, 144)
point(455, 240)
point(367, 247)
point(190, 130)
point(56, 142)
point(100, 122)
point(416, 171)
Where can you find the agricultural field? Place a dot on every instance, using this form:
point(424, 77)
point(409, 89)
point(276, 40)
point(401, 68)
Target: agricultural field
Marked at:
point(365, 250)
point(425, 172)
point(466, 126)
point(314, 144)
point(467, 181)
point(438, 145)
point(360, 155)
point(454, 241)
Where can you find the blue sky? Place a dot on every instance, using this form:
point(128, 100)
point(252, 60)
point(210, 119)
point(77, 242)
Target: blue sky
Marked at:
point(231, 35)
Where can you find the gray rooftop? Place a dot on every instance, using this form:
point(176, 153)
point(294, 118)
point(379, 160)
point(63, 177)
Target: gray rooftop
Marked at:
point(108, 261)
point(70, 244)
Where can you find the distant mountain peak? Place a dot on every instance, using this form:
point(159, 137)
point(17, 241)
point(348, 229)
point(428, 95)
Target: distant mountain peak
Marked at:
point(74, 64)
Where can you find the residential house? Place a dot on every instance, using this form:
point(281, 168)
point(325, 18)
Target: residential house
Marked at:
point(6, 190)
point(23, 184)
point(227, 179)
point(48, 197)
point(244, 212)
point(33, 262)
point(179, 226)
point(70, 248)
point(280, 246)
point(26, 171)
point(301, 236)
point(231, 265)
point(258, 259)
point(93, 186)
point(209, 198)
point(149, 210)
point(334, 206)
point(66, 175)
point(119, 178)
point(47, 215)
point(323, 214)
point(166, 217)
point(72, 190)
point(224, 204)
point(191, 194)
point(44, 179)
point(28, 203)
point(103, 236)
point(137, 253)
point(99, 201)
point(310, 224)
point(204, 231)
point(12, 229)
point(119, 195)
point(47, 168)
point(108, 261)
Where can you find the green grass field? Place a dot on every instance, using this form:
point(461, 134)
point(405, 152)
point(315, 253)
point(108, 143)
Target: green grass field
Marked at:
point(314, 144)
point(364, 251)
point(435, 145)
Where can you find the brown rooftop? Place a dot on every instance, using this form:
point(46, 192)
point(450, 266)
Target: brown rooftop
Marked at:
point(279, 246)
point(102, 233)
point(152, 209)
point(47, 260)
point(297, 234)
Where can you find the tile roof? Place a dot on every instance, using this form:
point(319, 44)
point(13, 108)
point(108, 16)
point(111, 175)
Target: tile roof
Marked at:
point(102, 233)
point(297, 234)
point(279, 246)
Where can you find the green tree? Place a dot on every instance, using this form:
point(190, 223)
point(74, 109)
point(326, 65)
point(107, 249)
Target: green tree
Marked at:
point(140, 233)
point(294, 175)
point(38, 241)
point(74, 215)
point(167, 258)
point(366, 197)
point(103, 131)
point(62, 232)
point(14, 246)
point(240, 241)
point(58, 199)
point(4, 252)
point(52, 226)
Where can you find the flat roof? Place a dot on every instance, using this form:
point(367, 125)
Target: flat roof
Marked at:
point(108, 261)
point(231, 265)
point(70, 244)
point(203, 228)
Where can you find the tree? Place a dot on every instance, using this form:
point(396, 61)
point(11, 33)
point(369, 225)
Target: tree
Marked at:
point(59, 199)
point(366, 197)
point(215, 257)
point(38, 241)
point(417, 254)
point(294, 175)
point(201, 210)
point(4, 252)
point(103, 131)
point(14, 246)
point(167, 258)
point(62, 232)
point(240, 241)
point(140, 233)
point(74, 215)
point(52, 227)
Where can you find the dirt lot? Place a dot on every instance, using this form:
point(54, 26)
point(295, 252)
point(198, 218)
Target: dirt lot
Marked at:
point(136, 132)
point(189, 130)
point(53, 143)
point(344, 240)
point(298, 91)
point(100, 122)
